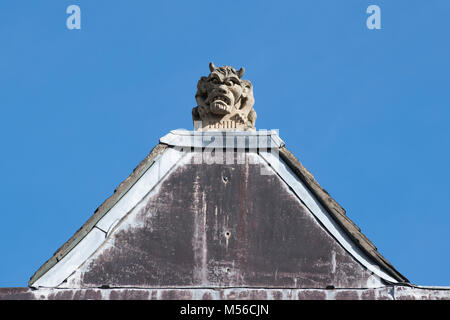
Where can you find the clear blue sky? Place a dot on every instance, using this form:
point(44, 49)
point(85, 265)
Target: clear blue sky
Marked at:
point(366, 111)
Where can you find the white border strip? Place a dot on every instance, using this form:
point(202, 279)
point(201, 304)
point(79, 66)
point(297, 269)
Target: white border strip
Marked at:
point(216, 139)
point(71, 261)
point(148, 180)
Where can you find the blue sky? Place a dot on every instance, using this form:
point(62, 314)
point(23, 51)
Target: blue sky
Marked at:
point(366, 111)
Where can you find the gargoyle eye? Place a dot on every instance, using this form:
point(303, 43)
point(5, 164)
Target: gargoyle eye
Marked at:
point(229, 83)
point(215, 80)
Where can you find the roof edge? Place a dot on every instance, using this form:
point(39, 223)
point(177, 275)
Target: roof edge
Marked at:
point(118, 193)
point(338, 214)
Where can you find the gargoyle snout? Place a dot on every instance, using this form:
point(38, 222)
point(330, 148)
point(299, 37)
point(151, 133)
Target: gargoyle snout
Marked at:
point(222, 89)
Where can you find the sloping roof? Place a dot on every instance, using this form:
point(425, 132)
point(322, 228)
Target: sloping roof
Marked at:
point(329, 204)
point(119, 192)
point(338, 213)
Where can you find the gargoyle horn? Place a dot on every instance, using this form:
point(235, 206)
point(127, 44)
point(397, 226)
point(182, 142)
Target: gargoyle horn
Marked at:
point(241, 72)
point(212, 67)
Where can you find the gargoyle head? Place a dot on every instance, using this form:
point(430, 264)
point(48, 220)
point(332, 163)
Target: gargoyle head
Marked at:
point(223, 97)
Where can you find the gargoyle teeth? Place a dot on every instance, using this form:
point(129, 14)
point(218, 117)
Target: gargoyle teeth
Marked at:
point(219, 107)
point(222, 99)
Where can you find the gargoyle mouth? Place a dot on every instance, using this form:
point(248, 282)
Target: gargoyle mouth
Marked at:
point(221, 104)
point(222, 98)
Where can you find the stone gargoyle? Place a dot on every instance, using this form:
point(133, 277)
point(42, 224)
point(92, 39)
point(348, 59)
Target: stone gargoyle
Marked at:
point(225, 101)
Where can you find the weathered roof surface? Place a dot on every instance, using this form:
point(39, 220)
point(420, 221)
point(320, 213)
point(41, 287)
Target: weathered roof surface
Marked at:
point(338, 213)
point(329, 204)
point(119, 192)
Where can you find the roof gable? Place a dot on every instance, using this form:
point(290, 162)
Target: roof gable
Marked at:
point(85, 251)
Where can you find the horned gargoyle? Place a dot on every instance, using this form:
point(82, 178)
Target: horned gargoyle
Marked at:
point(225, 101)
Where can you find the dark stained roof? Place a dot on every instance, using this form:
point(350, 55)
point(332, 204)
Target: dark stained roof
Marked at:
point(332, 207)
